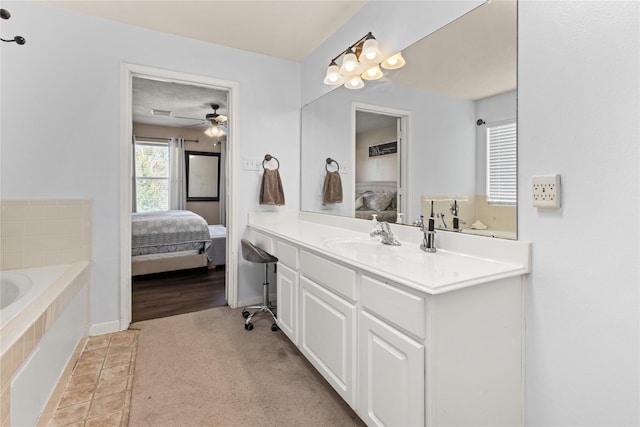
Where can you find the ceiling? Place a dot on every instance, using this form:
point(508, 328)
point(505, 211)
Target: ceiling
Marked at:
point(473, 57)
point(282, 29)
point(193, 102)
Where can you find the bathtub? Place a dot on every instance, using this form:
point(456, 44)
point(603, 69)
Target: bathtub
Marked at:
point(43, 316)
point(17, 288)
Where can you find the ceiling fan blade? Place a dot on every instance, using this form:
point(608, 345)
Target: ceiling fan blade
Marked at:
point(187, 118)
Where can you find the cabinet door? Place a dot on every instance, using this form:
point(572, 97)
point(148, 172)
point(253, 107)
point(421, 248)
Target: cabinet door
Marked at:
point(391, 375)
point(328, 336)
point(288, 302)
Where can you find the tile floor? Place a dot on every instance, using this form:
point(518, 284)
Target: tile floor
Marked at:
point(96, 387)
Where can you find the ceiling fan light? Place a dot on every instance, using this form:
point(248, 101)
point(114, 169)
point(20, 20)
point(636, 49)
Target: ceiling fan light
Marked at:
point(373, 73)
point(350, 65)
point(370, 51)
point(333, 76)
point(393, 62)
point(213, 131)
point(354, 83)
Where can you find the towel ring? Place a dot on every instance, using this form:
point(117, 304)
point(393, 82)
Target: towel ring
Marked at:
point(329, 161)
point(268, 158)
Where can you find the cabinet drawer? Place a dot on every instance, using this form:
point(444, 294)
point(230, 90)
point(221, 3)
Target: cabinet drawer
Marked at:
point(335, 277)
point(287, 254)
point(399, 307)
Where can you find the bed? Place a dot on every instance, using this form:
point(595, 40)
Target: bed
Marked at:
point(377, 197)
point(174, 240)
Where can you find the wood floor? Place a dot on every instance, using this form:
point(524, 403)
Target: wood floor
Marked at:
point(176, 292)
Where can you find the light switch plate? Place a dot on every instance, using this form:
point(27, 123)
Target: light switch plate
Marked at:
point(546, 191)
point(251, 164)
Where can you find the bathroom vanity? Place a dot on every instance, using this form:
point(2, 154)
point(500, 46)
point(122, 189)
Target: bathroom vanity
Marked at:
point(404, 336)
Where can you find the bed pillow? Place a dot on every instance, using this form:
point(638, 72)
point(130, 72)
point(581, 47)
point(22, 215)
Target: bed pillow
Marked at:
point(394, 203)
point(378, 201)
point(359, 201)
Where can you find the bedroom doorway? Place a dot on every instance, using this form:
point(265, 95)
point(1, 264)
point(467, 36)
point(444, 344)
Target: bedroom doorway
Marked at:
point(190, 101)
point(380, 176)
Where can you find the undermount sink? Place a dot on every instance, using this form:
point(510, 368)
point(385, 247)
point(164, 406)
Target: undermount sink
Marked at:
point(367, 247)
point(357, 245)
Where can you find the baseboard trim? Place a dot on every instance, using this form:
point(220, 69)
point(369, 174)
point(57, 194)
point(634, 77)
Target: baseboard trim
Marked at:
point(104, 328)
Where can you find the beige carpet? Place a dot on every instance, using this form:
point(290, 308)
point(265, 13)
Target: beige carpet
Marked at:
point(204, 369)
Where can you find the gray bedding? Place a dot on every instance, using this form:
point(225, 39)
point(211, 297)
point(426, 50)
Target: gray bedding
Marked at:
point(218, 248)
point(168, 231)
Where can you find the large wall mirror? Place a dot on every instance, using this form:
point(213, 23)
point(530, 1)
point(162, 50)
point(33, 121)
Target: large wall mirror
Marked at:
point(441, 129)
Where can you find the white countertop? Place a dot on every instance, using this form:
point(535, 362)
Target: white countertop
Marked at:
point(448, 269)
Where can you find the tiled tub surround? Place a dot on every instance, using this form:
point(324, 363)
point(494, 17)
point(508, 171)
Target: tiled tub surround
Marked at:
point(39, 232)
point(37, 341)
point(499, 219)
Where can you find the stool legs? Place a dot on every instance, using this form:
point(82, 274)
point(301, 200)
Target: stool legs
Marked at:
point(266, 306)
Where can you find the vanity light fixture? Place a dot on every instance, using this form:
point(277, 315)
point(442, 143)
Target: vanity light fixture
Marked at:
point(360, 61)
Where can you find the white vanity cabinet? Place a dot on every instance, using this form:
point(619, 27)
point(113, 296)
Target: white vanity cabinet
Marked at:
point(391, 371)
point(328, 321)
point(437, 343)
point(287, 312)
point(287, 288)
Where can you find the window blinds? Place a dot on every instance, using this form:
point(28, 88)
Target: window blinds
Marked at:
point(502, 164)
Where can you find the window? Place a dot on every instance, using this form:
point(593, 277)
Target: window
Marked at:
point(152, 176)
point(501, 164)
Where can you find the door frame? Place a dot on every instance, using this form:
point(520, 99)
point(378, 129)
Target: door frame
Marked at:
point(405, 134)
point(128, 71)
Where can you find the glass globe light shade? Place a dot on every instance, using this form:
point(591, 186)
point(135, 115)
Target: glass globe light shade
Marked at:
point(393, 62)
point(333, 76)
point(370, 51)
point(350, 65)
point(354, 83)
point(373, 73)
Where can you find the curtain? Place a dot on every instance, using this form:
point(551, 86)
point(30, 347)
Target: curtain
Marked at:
point(223, 177)
point(177, 178)
point(134, 204)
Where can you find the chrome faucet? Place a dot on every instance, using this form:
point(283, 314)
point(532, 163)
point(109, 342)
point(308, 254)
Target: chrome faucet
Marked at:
point(429, 233)
point(383, 230)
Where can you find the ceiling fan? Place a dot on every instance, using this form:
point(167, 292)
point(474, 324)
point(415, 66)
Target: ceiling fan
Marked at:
point(209, 119)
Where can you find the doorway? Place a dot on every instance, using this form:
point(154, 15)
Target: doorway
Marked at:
point(128, 73)
point(381, 181)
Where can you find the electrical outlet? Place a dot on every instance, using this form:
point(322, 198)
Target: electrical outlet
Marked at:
point(546, 191)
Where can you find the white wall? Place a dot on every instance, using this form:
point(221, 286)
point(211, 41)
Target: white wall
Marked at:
point(379, 168)
point(61, 120)
point(578, 114)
